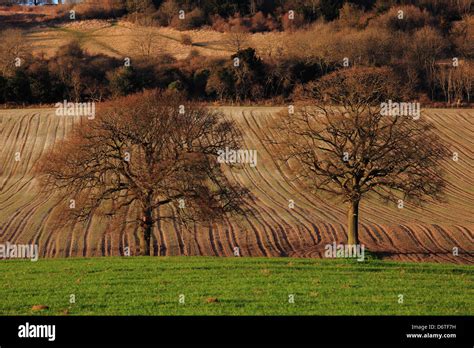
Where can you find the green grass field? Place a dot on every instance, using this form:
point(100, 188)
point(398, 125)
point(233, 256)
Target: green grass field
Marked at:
point(233, 286)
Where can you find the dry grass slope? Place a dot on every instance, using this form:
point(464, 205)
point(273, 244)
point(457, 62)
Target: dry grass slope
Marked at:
point(270, 229)
point(118, 39)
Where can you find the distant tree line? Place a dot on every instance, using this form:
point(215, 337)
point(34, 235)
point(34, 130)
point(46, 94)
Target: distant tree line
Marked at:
point(208, 12)
point(432, 58)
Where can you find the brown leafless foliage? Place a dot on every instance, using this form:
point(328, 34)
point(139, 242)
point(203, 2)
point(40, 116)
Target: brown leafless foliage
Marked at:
point(456, 82)
point(140, 151)
point(462, 35)
point(145, 43)
point(12, 46)
point(343, 145)
point(237, 39)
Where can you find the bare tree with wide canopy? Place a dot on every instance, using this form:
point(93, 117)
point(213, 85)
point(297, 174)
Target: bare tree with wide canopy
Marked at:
point(147, 151)
point(344, 145)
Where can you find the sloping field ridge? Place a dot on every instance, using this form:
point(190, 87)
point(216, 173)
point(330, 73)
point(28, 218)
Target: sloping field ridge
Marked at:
point(271, 228)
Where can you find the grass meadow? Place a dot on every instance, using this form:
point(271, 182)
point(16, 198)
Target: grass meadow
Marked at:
point(233, 286)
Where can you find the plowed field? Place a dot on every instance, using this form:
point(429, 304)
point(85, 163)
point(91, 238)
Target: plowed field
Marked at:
point(270, 228)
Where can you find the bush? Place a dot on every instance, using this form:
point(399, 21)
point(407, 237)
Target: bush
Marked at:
point(123, 81)
point(41, 83)
point(192, 20)
point(259, 23)
point(186, 39)
point(330, 8)
point(413, 18)
point(354, 81)
point(100, 9)
point(167, 11)
point(3, 88)
point(291, 24)
point(200, 78)
point(18, 87)
point(462, 35)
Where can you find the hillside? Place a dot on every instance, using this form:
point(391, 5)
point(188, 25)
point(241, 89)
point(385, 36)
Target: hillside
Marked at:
point(120, 39)
point(271, 228)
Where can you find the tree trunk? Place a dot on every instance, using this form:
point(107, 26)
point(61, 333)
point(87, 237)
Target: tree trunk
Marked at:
point(353, 223)
point(147, 229)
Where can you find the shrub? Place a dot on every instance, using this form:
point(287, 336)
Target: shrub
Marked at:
point(292, 24)
point(259, 23)
point(186, 39)
point(462, 35)
point(167, 11)
point(18, 87)
point(192, 20)
point(413, 18)
point(3, 88)
point(330, 8)
point(200, 78)
point(123, 81)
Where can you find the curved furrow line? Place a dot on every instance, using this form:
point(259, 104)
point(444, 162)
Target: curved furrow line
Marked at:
point(25, 219)
point(262, 246)
point(102, 242)
point(450, 123)
point(253, 212)
point(43, 222)
point(454, 140)
point(274, 241)
point(70, 245)
point(122, 232)
point(230, 236)
point(11, 163)
point(46, 249)
point(249, 175)
point(372, 233)
point(291, 191)
point(445, 116)
point(309, 234)
point(179, 235)
point(440, 248)
point(38, 156)
point(36, 129)
point(302, 234)
point(334, 232)
point(212, 242)
point(133, 240)
point(417, 242)
point(449, 238)
point(16, 191)
point(453, 172)
point(325, 236)
point(162, 242)
point(195, 234)
point(221, 240)
point(22, 166)
point(385, 233)
point(4, 229)
point(264, 206)
point(466, 231)
point(85, 238)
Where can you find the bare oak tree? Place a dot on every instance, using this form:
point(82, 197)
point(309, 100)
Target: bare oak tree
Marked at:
point(236, 39)
point(146, 152)
point(145, 43)
point(344, 145)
